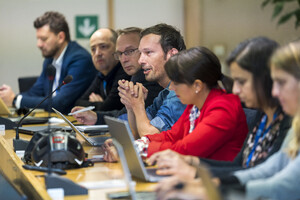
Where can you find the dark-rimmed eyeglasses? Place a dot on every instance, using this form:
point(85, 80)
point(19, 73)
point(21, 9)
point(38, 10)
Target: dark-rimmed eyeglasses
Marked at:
point(129, 52)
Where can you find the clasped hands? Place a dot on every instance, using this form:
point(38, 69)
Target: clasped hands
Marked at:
point(132, 95)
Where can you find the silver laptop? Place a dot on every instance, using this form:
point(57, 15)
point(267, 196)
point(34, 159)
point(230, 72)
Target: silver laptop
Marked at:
point(4, 110)
point(131, 194)
point(93, 141)
point(120, 130)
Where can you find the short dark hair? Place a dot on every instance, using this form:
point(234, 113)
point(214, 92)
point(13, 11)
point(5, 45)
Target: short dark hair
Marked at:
point(170, 36)
point(253, 55)
point(129, 30)
point(56, 22)
point(195, 63)
point(114, 35)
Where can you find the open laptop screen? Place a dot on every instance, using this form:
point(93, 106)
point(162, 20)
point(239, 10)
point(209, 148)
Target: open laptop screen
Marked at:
point(120, 130)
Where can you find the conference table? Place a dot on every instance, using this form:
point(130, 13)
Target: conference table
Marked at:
point(32, 182)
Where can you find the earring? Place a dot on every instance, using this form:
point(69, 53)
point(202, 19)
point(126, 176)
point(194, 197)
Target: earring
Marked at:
point(196, 91)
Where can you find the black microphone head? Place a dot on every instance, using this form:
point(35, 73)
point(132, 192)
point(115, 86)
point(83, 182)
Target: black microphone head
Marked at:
point(68, 79)
point(51, 72)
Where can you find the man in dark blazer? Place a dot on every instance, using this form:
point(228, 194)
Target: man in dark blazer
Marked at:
point(69, 58)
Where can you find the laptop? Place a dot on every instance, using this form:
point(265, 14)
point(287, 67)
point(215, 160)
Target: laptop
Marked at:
point(4, 110)
point(131, 194)
point(90, 130)
point(11, 189)
point(31, 130)
point(29, 120)
point(120, 130)
point(93, 141)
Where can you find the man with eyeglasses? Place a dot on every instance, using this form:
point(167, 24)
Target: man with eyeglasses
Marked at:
point(103, 92)
point(128, 54)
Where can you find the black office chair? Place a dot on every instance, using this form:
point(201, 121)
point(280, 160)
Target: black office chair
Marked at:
point(25, 83)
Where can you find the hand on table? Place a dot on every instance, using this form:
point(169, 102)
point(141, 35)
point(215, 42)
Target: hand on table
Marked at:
point(88, 117)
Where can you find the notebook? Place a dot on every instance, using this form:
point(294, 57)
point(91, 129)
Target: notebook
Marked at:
point(93, 141)
point(120, 130)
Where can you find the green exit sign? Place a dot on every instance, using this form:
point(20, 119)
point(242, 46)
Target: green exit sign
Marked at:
point(86, 26)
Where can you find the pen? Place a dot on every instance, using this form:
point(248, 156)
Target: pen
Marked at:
point(82, 110)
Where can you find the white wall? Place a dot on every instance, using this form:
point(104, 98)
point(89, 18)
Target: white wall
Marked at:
point(225, 22)
point(145, 13)
point(19, 55)
point(228, 22)
point(231, 21)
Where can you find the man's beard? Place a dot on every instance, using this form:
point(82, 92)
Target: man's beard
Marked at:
point(51, 53)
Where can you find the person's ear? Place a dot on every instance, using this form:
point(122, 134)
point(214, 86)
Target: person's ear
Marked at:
point(61, 36)
point(171, 52)
point(198, 86)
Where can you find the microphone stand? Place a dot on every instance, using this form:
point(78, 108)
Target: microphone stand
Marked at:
point(19, 144)
point(51, 78)
point(55, 181)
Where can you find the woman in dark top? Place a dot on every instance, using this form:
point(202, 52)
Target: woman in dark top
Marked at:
point(252, 82)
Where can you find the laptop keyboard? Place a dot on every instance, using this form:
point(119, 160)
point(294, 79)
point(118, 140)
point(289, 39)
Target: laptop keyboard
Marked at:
point(151, 171)
point(145, 195)
point(97, 141)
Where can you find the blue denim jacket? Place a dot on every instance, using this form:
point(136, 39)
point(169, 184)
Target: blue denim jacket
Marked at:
point(165, 110)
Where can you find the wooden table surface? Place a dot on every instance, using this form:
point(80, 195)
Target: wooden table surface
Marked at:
point(32, 182)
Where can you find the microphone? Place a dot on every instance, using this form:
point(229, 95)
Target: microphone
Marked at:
point(67, 80)
point(20, 144)
point(51, 72)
